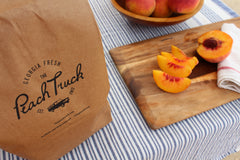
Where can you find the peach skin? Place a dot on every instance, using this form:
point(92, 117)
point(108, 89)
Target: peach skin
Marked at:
point(162, 10)
point(141, 7)
point(183, 6)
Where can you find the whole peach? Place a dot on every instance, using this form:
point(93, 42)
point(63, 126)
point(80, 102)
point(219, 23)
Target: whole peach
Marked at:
point(183, 6)
point(141, 7)
point(162, 10)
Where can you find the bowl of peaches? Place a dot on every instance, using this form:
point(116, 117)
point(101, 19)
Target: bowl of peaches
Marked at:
point(157, 12)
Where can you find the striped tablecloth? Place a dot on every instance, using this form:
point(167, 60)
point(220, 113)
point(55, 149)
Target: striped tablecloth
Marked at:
point(210, 135)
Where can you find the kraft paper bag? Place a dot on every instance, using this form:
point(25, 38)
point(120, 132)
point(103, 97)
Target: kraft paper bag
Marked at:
point(54, 82)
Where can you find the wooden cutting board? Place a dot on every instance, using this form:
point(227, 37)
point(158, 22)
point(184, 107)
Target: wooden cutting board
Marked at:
point(136, 61)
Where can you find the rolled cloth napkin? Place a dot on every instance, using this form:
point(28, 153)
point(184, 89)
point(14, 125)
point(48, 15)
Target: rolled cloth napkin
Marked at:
point(229, 69)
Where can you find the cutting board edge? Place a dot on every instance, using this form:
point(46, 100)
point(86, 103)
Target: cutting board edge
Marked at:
point(153, 122)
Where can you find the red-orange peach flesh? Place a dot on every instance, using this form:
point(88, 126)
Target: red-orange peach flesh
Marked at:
point(170, 83)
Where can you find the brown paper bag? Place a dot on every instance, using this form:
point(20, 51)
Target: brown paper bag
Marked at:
point(54, 82)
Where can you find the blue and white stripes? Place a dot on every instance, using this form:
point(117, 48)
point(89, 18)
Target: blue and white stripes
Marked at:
point(208, 136)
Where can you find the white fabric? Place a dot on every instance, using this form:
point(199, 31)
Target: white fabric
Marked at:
point(229, 69)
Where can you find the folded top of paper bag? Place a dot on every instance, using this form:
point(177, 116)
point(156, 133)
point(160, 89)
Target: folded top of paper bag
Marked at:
point(229, 69)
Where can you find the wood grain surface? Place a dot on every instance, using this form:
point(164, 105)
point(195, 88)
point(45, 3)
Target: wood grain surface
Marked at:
point(136, 61)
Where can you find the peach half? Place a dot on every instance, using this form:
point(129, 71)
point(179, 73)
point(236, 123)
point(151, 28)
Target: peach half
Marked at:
point(172, 68)
point(214, 46)
point(191, 61)
point(170, 83)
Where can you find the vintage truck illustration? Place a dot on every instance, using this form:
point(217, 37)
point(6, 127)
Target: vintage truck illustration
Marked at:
point(57, 104)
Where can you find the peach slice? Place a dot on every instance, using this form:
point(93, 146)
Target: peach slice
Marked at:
point(191, 61)
point(170, 83)
point(214, 46)
point(173, 68)
point(177, 52)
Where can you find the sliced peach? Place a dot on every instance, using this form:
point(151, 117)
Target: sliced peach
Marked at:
point(214, 46)
point(170, 83)
point(173, 68)
point(177, 52)
point(191, 61)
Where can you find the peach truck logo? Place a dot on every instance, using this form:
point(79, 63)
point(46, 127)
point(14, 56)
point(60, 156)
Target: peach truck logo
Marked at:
point(24, 103)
